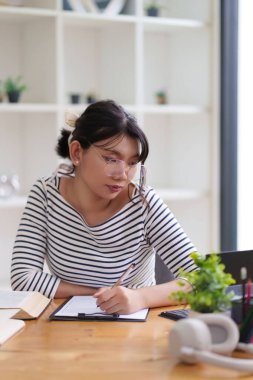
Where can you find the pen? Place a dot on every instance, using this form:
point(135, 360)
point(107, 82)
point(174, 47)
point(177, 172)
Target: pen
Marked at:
point(243, 279)
point(97, 317)
point(245, 325)
point(124, 275)
point(248, 294)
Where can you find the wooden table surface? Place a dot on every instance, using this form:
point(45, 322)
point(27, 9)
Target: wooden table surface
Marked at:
point(98, 350)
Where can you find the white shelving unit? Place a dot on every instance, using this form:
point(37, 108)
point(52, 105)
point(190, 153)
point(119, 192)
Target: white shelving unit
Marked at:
point(126, 57)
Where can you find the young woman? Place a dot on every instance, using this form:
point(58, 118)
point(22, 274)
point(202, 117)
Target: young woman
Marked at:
point(90, 221)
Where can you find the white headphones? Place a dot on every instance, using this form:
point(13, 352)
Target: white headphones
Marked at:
point(203, 338)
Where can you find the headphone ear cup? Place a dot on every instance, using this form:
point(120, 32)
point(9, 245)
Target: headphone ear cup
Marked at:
point(223, 330)
point(192, 333)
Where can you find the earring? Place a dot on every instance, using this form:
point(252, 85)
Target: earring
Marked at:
point(76, 163)
point(143, 173)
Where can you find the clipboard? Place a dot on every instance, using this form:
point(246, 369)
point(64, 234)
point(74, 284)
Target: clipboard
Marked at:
point(84, 308)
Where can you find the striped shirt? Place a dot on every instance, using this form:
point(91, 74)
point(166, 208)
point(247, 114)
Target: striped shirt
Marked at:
point(52, 230)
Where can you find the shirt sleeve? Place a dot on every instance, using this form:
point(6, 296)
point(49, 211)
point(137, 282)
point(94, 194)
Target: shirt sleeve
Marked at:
point(30, 247)
point(165, 234)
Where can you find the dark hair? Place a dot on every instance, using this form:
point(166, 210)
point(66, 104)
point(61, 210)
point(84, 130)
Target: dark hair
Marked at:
point(100, 121)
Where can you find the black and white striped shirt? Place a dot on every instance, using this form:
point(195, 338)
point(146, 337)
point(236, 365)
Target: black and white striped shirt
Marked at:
point(52, 230)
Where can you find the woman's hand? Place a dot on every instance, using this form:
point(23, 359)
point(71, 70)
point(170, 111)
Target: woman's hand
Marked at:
point(122, 300)
point(119, 300)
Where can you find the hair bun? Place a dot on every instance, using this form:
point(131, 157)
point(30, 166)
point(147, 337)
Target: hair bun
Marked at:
point(70, 120)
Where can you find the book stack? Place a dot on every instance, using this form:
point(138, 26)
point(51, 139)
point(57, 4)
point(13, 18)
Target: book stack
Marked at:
point(16, 306)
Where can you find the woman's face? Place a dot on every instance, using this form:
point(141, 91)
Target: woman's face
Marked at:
point(107, 167)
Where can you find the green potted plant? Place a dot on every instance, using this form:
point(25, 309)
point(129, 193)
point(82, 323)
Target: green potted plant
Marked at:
point(91, 98)
point(13, 88)
point(152, 9)
point(209, 283)
point(161, 97)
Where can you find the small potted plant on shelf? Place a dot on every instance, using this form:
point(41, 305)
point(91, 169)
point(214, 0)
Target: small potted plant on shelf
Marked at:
point(152, 9)
point(161, 97)
point(91, 97)
point(13, 88)
point(209, 283)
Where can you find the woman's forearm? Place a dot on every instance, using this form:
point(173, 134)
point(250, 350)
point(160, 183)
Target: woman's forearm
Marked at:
point(66, 289)
point(160, 295)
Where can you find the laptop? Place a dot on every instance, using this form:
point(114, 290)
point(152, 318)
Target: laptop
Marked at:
point(234, 261)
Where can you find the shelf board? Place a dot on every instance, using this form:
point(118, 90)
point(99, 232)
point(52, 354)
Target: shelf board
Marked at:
point(23, 13)
point(180, 194)
point(170, 24)
point(96, 20)
point(174, 109)
point(27, 107)
point(148, 109)
point(13, 202)
point(79, 108)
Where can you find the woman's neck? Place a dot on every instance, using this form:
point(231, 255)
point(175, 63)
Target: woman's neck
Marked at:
point(94, 209)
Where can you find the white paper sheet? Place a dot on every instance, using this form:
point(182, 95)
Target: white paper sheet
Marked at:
point(12, 299)
point(87, 305)
point(7, 314)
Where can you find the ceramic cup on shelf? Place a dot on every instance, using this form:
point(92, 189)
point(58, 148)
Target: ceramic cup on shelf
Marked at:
point(75, 98)
point(9, 186)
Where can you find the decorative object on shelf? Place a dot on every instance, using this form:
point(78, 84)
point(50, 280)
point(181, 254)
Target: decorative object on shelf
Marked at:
point(90, 6)
point(77, 5)
point(9, 186)
point(209, 284)
point(161, 97)
point(114, 7)
point(101, 4)
point(91, 98)
point(66, 6)
point(75, 98)
point(152, 9)
point(13, 88)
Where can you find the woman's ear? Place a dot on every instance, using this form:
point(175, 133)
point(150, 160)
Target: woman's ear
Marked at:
point(75, 152)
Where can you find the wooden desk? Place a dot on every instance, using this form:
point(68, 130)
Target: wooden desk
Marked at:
point(98, 350)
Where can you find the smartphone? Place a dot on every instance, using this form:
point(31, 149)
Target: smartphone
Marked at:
point(175, 315)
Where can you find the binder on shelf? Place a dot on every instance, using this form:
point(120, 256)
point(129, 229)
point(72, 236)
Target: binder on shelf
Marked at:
point(84, 308)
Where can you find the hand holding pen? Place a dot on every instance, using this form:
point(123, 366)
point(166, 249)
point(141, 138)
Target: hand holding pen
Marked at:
point(118, 299)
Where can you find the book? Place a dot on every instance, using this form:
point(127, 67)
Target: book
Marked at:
point(84, 308)
point(114, 7)
point(76, 5)
point(27, 305)
point(8, 328)
point(90, 6)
